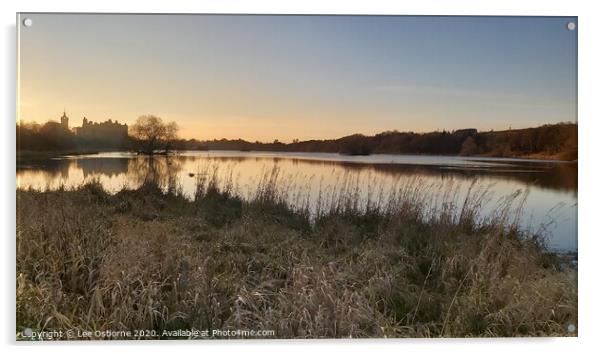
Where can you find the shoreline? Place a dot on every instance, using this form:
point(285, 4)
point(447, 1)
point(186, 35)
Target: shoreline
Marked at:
point(26, 156)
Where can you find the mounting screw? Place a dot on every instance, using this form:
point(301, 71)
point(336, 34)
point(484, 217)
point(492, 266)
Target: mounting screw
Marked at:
point(571, 26)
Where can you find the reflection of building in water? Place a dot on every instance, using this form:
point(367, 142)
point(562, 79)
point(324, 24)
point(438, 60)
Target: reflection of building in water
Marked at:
point(101, 166)
point(108, 131)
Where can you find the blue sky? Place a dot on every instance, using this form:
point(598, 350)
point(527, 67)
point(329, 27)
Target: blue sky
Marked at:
point(286, 77)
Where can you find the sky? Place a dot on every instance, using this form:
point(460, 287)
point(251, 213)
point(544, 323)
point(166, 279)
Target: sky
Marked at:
point(298, 77)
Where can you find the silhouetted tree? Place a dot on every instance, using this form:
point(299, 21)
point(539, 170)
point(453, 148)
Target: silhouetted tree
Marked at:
point(356, 144)
point(153, 134)
point(50, 136)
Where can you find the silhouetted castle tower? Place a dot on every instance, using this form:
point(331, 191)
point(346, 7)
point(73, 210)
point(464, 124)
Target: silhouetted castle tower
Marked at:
point(65, 120)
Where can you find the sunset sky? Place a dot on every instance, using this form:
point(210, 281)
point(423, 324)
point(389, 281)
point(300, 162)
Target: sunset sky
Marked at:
point(306, 77)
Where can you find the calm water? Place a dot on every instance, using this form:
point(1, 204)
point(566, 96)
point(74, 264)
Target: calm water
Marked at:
point(550, 187)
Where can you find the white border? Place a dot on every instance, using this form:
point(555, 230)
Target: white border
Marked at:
point(590, 131)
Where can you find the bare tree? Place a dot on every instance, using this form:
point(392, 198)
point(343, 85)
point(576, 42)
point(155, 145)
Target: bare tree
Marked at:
point(171, 134)
point(153, 134)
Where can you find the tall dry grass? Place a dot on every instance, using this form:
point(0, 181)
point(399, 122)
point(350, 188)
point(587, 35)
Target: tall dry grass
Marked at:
point(414, 261)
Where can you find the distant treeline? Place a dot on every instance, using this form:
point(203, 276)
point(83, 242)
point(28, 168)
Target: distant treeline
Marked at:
point(558, 141)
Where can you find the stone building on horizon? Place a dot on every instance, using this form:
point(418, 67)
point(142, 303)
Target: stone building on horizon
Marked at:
point(108, 132)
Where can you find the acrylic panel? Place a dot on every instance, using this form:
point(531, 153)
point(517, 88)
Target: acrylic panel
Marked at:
point(184, 176)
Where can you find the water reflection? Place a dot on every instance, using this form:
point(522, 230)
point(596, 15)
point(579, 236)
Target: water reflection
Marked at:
point(110, 167)
point(552, 186)
point(161, 170)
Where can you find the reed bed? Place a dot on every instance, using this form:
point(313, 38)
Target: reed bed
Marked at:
point(408, 259)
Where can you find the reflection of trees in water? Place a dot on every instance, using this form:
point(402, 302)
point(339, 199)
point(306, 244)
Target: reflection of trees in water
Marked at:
point(161, 171)
point(561, 176)
point(53, 168)
point(550, 175)
point(556, 176)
